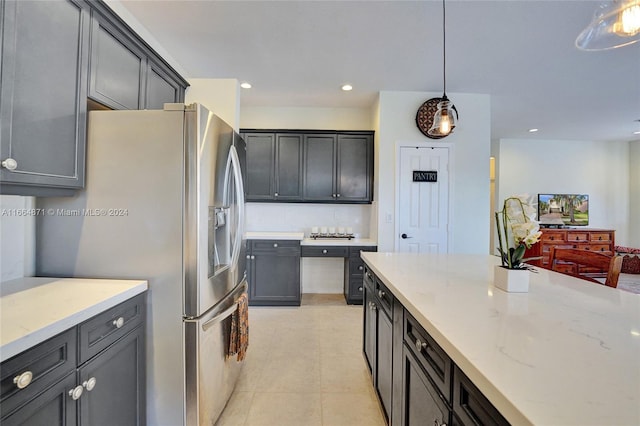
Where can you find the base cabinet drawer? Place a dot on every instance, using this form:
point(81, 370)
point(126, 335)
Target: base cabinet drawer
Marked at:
point(470, 406)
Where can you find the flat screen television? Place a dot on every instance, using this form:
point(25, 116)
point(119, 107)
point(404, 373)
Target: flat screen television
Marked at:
point(558, 210)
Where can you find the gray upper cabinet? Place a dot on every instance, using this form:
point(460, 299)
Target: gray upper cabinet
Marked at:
point(319, 167)
point(309, 166)
point(118, 69)
point(55, 55)
point(43, 95)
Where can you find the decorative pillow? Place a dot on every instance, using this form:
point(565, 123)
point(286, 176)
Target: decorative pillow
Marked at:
point(621, 250)
point(630, 264)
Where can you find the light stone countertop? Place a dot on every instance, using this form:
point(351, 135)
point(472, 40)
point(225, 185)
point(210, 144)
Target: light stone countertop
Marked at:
point(338, 242)
point(253, 235)
point(34, 309)
point(565, 353)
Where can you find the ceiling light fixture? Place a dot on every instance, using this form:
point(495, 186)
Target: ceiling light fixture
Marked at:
point(533, 130)
point(614, 24)
point(435, 118)
point(347, 87)
point(245, 85)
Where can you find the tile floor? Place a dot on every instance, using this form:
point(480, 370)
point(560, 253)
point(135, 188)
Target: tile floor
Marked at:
point(304, 367)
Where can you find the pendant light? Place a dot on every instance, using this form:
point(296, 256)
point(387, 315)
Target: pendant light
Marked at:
point(444, 120)
point(614, 24)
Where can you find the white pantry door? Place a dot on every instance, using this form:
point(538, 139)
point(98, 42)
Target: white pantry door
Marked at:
point(423, 200)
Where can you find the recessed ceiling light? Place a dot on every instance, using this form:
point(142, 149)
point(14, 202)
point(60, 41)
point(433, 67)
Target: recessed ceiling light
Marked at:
point(245, 85)
point(637, 132)
point(347, 87)
point(533, 130)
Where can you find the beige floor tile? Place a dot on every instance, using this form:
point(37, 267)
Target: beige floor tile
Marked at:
point(344, 374)
point(285, 409)
point(237, 409)
point(290, 374)
point(351, 409)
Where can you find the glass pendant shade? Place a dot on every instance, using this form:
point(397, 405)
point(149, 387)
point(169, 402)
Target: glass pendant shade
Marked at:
point(444, 120)
point(614, 25)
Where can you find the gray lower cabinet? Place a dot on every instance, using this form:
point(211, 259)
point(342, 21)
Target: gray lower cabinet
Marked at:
point(273, 272)
point(416, 381)
point(378, 341)
point(354, 273)
point(45, 56)
point(91, 374)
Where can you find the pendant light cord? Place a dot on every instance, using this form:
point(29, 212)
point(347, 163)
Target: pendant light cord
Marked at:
point(444, 52)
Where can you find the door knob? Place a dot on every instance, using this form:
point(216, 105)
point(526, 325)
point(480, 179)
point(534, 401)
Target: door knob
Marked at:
point(405, 236)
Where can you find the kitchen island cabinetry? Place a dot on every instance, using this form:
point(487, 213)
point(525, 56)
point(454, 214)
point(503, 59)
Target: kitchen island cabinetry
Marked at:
point(309, 166)
point(43, 94)
point(354, 274)
point(273, 272)
point(378, 335)
point(90, 374)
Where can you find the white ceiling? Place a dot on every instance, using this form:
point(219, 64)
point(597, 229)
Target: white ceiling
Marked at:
point(522, 53)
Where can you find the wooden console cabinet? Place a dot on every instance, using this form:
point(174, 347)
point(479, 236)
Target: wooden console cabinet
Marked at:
point(600, 240)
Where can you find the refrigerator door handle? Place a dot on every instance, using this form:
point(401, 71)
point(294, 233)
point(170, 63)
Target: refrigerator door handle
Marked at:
point(220, 317)
point(239, 195)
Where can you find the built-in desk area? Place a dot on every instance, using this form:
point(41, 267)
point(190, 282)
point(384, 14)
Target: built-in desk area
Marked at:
point(274, 260)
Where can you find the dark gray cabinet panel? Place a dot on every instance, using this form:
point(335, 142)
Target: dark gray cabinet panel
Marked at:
point(52, 407)
point(353, 274)
point(260, 166)
point(161, 88)
point(274, 272)
point(117, 69)
point(470, 406)
point(101, 360)
point(354, 167)
point(422, 403)
point(319, 167)
point(288, 167)
point(309, 166)
point(118, 392)
point(43, 94)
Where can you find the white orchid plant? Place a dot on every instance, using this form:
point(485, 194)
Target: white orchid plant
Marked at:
point(518, 230)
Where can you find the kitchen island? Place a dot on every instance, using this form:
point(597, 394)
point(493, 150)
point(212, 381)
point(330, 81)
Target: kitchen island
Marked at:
point(565, 353)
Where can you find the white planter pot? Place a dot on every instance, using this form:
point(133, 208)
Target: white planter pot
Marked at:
point(511, 280)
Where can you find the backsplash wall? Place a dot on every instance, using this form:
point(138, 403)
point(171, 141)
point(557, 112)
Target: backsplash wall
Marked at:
point(299, 217)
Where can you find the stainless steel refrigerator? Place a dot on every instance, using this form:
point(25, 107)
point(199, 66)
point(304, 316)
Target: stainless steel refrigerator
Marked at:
point(164, 202)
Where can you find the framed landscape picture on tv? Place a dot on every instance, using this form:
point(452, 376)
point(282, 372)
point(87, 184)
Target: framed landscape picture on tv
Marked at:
point(563, 209)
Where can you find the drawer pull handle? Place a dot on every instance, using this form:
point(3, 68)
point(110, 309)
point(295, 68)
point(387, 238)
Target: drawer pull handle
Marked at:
point(118, 322)
point(76, 392)
point(89, 384)
point(420, 345)
point(360, 268)
point(23, 380)
point(381, 294)
point(275, 245)
point(324, 251)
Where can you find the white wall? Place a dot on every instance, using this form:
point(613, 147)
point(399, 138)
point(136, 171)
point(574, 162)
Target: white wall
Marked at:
point(219, 95)
point(306, 118)
point(599, 169)
point(633, 239)
point(17, 237)
point(468, 165)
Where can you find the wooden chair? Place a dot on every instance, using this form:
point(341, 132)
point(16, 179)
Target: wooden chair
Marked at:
point(586, 264)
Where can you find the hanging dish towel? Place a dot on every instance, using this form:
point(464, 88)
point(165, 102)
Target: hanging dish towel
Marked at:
point(239, 336)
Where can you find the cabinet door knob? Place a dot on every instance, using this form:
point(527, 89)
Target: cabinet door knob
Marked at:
point(381, 294)
point(360, 268)
point(252, 257)
point(76, 392)
point(324, 251)
point(420, 345)
point(248, 256)
point(118, 322)
point(360, 288)
point(333, 195)
point(275, 245)
point(10, 164)
point(23, 380)
point(89, 384)
point(276, 194)
point(373, 306)
point(338, 195)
